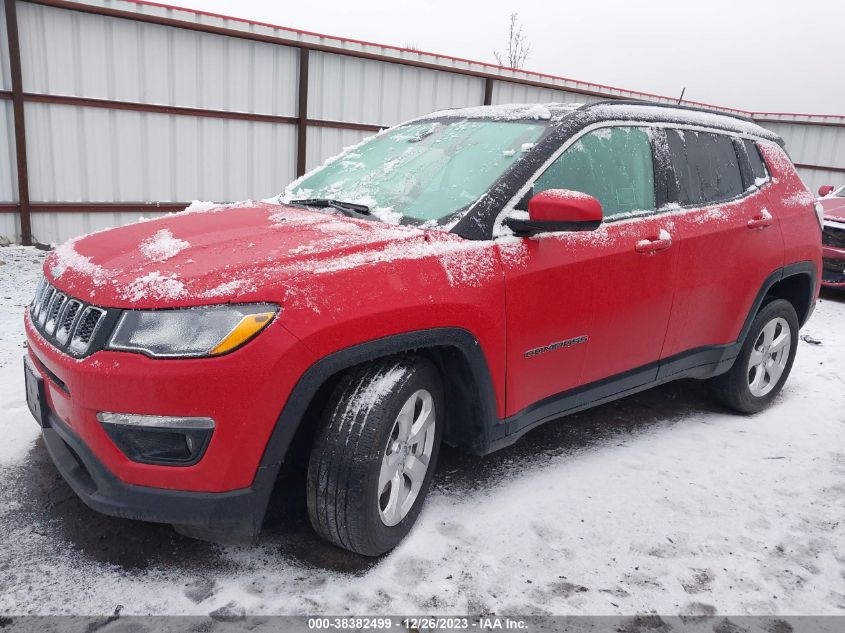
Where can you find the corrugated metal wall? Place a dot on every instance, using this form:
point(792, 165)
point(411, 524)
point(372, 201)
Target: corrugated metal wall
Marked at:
point(508, 92)
point(92, 154)
point(820, 145)
point(72, 53)
point(79, 154)
point(165, 105)
point(342, 88)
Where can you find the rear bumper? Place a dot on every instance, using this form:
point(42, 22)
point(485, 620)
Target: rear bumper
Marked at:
point(234, 516)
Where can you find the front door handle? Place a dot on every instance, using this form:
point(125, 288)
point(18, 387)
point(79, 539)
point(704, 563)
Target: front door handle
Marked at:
point(651, 246)
point(762, 221)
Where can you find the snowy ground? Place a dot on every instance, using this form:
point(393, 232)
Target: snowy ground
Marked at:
point(659, 503)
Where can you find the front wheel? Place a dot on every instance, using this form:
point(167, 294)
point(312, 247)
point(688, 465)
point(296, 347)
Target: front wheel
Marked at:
point(764, 362)
point(374, 456)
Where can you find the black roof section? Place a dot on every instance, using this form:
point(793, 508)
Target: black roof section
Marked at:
point(632, 109)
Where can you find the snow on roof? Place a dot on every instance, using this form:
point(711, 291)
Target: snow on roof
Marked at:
point(556, 112)
point(509, 112)
point(680, 115)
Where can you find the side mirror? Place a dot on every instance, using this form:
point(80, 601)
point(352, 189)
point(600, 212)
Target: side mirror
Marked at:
point(825, 190)
point(558, 210)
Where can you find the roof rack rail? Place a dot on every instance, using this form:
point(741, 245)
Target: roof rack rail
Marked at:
point(656, 104)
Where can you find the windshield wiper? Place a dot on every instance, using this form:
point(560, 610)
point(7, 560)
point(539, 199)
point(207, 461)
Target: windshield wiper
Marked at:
point(347, 208)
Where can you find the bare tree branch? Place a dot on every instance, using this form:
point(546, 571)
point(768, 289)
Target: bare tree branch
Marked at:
point(518, 46)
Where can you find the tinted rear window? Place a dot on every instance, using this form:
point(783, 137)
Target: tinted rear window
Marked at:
point(706, 167)
point(758, 168)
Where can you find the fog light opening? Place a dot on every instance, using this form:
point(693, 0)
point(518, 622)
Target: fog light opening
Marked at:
point(161, 440)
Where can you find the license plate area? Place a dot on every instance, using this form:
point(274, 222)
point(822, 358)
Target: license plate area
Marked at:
point(36, 397)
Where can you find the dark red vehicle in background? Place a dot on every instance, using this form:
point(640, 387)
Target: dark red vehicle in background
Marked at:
point(463, 278)
point(832, 201)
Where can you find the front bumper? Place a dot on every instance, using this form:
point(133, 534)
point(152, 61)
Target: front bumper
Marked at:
point(244, 392)
point(234, 516)
point(833, 267)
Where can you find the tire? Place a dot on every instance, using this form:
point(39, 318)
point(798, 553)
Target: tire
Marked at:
point(362, 445)
point(750, 387)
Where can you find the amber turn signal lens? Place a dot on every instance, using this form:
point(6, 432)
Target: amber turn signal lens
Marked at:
point(248, 327)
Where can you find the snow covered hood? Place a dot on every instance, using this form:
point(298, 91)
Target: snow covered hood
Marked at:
point(240, 252)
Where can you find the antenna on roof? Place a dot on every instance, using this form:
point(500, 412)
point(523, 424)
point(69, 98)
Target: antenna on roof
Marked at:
point(681, 98)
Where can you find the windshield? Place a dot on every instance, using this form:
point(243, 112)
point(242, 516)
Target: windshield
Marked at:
point(423, 172)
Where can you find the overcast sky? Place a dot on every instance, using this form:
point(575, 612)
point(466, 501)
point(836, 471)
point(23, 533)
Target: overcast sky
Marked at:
point(763, 55)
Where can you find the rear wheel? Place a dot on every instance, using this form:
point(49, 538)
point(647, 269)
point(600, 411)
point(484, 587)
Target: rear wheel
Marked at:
point(764, 362)
point(374, 456)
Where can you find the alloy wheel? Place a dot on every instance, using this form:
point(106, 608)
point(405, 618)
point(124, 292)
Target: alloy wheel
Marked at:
point(406, 457)
point(769, 357)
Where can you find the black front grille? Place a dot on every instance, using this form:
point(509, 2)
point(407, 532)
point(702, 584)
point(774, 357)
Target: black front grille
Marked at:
point(68, 321)
point(833, 270)
point(73, 326)
point(833, 235)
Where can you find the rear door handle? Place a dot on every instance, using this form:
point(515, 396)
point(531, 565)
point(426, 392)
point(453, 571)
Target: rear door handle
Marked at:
point(762, 221)
point(648, 247)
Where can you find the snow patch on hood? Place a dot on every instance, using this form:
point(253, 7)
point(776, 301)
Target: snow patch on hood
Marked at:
point(228, 288)
point(155, 285)
point(162, 246)
point(66, 257)
point(464, 261)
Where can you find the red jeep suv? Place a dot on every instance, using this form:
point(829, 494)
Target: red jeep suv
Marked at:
point(461, 278)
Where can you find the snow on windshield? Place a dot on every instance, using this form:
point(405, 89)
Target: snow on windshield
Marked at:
point(424, 171)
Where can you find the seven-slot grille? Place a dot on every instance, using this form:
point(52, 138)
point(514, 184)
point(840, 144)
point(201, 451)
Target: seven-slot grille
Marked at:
point(68, 323)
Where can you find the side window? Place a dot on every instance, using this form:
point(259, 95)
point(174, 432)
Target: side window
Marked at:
point(758, 167)
point(705, 165)
point(613, 165)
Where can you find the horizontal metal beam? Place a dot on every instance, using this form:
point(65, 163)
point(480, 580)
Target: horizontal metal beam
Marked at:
point(155, 108)
point(763, 120)
point(6, 94)
point(135, 106)
point(106, 207)
point(9, 207)
point(838, 170)
point(343, 125)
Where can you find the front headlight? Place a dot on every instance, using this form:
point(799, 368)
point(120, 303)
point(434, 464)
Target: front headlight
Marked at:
point(190, 332)
point(820, 214)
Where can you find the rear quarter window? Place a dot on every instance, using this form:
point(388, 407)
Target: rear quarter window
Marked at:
point(758, 167)
point(706, 167)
